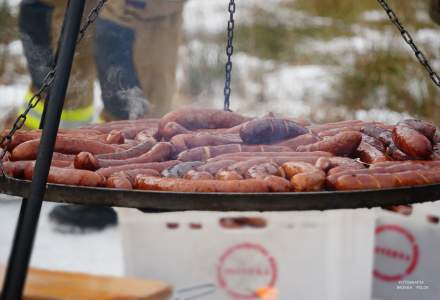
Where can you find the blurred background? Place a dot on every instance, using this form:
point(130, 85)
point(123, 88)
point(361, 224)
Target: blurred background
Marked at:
point(321, 59)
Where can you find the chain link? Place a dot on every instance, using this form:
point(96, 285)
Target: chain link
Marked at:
point(5, 141)
point(91, 18)
point(409, 40)
point(229, 52)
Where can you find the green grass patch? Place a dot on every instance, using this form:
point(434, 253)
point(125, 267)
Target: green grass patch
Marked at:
point(388, 79)
point(277, 41)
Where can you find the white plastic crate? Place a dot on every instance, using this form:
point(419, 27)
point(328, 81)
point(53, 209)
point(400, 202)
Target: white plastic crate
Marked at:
point(298, 255)
point(407, 263)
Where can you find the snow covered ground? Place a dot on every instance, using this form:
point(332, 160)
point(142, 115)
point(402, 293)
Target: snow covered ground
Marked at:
point(95, 253)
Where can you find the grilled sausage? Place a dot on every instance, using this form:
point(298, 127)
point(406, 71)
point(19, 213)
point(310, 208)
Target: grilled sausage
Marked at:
point(181, 169)
point(125, 179)
point(395, 153)
point(198, 175)
point(250, 155)
point(242, 167)
point(261, 171)
point(215, 166)
point(158, 166)
point(208, 186)
point(328, 163)
point(324, 127)
point(302, 140)
point(159, 152)
point(28, 150)
point(385, 169)
point(411, 142)
point(115, 137)
point(16, 168)
point(426, 128)
point(340, 169)
point(387, 180)
point(69, 176)
point(146, 135)
point(269, 130)
point(205, 153)
point(369, 154)
point(119, 181)
point(335, 131)
point(304, 177)
point(172, 129)
point(366, 181)
point(228, 175)
point(342, 144)
point(134, 151)
point(383, 135)
point(193, 118)
point(22, 136)
point(187, 141)
point(64, 157)
point(373, 142)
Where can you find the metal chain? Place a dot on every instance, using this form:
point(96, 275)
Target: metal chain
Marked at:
point(91, 18)
point(5, 141)
point(409, 40)
point(229, 52)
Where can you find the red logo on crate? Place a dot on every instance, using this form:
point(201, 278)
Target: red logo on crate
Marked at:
point(395, 263)
point(244, 269)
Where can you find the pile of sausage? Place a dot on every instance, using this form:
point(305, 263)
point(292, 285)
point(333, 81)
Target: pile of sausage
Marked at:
point(207, 150)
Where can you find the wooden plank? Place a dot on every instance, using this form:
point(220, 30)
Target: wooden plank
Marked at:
point(56, 285)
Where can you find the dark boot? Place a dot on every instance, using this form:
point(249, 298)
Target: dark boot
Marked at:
point(82, 218)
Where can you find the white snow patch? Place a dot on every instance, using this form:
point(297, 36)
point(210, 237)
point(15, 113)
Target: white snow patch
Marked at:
point(94, 253)
point(382, 115)
point(374, 16)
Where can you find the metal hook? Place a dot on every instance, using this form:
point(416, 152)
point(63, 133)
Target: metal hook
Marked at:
point(195, 292)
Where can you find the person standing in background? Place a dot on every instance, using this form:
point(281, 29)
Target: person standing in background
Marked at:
point(137, 45)
point(134, 46)
point(39, 26)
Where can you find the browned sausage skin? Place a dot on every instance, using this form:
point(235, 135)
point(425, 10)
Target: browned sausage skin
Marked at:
point(383, 135)
point(250, 155)
point(328, 163)
point(198, 175)
point(426, 128)
point(158, 166)
point(269, 130)
point(125, 179)
point(370, 155)
point(304, 177)
point(28, 150)
point(302, 140)
point(261, 171)
point(411, 142)
point(172, 129)
point(205, 153)
point(228, 175)
point(215, 166)
point(69, 176)
point(193, 118)
point(210, 186)
point(387, 180)
point(192, 140)
point(159, 152)
point(134, 151)
point(342, 144)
